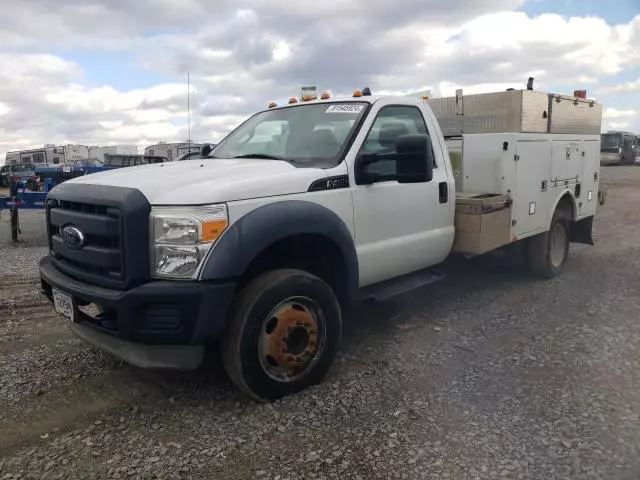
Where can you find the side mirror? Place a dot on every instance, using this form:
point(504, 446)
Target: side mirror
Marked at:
point(415, 158)
point(206, 150)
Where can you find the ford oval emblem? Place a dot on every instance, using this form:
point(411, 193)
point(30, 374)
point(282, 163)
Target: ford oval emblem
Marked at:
point(72, 237)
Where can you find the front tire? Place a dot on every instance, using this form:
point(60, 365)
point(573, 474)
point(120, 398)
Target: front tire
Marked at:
point(283, 334)
point(548, 251)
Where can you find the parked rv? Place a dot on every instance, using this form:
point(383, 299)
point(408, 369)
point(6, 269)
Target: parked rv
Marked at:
point(619, 148)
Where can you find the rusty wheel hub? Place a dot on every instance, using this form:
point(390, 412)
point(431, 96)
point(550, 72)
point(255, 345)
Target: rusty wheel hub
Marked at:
point(291, 339)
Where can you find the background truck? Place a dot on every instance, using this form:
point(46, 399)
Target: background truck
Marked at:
point(619, 148)
point(264, 247)
point(16, 172)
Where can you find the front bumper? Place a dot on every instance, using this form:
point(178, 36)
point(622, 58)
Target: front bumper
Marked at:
point(160, 324)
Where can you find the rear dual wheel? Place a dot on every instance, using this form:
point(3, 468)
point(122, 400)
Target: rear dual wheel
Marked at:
point(284, 332)
point(548, 251)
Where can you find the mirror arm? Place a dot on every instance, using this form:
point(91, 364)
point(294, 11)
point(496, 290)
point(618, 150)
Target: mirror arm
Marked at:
point(370, 158)
point(384, 177)
point(385, 156)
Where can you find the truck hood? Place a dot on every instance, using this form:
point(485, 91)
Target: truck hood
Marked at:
point(193, 182)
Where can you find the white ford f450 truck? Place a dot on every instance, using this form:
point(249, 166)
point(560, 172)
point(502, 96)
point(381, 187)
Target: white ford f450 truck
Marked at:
point(304, 209)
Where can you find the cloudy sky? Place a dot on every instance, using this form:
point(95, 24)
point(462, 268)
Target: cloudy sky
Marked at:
point(114, 71)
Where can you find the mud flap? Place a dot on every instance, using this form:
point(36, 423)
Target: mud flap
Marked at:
point(602, 196)
point(582, 231)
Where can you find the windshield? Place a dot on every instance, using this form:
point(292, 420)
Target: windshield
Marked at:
point(610, 140)
point(312, 135)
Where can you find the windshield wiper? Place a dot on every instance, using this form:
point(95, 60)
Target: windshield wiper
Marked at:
point(260, 155)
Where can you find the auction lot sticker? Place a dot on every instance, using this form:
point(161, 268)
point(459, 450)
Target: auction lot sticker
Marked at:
point(345, 108)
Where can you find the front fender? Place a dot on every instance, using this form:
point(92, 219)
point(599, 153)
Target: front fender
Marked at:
point(262, 227)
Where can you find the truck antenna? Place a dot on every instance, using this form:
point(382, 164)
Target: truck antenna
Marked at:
point(189, 109)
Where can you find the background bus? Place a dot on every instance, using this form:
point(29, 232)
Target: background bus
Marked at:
point(619, 148)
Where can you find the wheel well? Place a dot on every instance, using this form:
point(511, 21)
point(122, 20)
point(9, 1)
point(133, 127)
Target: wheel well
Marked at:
point(567, 205)
point(313, 253)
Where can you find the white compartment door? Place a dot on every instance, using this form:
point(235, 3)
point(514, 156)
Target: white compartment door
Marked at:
point(530, 198)
point(588, 199)
point(561, 153)
point(574, 164)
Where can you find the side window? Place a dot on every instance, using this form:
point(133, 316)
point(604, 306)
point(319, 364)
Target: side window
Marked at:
point(391, 123)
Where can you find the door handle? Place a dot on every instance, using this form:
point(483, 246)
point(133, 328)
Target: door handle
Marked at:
point(443, 192)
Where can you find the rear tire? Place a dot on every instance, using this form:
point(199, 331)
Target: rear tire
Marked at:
point(548, 251)
point(283, 334)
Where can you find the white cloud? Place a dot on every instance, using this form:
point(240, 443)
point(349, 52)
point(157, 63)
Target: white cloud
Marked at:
point(108, 99)
point(243, 54)
point(614, 113)
point(614, 119)
point(618, 125)
point(448, 89)
point(633, 86)
point(39, 109)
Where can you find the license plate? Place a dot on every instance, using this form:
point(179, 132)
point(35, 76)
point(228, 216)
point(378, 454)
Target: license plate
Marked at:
point(63, 305)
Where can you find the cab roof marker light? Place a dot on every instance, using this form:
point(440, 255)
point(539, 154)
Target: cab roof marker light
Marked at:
point(325, 96)
point(308, 93)
point(366, 92)
point(272, 105)
point(357, 93)
point(293, 100)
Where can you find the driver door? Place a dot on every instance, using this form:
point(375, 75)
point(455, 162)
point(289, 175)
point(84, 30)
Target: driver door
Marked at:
point(399, 228)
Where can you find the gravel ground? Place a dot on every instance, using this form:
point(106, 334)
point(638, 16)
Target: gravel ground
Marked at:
point(486, 375)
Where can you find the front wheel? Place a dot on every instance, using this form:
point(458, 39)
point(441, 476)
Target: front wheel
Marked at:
point(284, 333)
point(548, 251)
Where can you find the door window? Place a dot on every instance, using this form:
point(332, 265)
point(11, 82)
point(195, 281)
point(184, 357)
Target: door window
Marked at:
point(391, 123)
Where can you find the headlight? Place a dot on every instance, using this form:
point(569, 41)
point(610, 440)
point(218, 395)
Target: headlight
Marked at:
point(182, 236)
